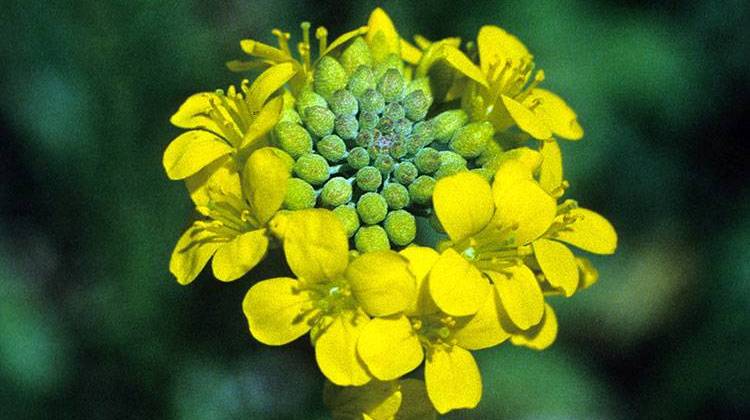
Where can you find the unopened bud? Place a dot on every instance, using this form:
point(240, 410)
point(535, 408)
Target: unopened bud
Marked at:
point(420, 191)
point(331, 147)
point(396, 195)
point(372, 208)
point(299, 195)
point(416, 105)
point(358, 158)
point(346, 126)
point(470, 140)
point(392, 85)
point(330, 76)
point(401, 227)
point(312, 168)
point(371, 238)
point(369, 178)
point(293, 139)
point(336, 191)
point(361, 80)
point(343, 102)
point(319, 120)
point(348, 217)
point(446, 123)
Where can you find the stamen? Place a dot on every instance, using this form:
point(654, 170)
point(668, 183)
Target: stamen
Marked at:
point(283, 38)
point(305, 46)
point(322, 36)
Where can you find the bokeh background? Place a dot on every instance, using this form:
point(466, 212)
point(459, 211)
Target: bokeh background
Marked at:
point(93, 326)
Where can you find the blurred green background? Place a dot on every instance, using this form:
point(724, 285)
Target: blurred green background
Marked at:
point(93, 326)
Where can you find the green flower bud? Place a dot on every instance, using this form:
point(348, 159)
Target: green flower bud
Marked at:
point(336, 191)
point(358, 158)
point(385, 125)
point(389, 61)
point(420, 191)
point(470, 140)
point(405, 172)
point(290, 115)
point(371, 238)
point(398, 149)
point(355, 55)
point(330, 76)
point(332, 148)
point(401, 227)
point(485, 173)
point(293, 139)
point(369, 178)
point(446, 123)
point(402, 127)
point(349, 218)
point(308, 98)
point(299, 195)
point(392, 85)
point(384, 163)
point(319, 120)
point(372, 208)
point(361, 80)
point(372, 101)
point(312, 168)
point(422, 134)
point(368, 121)
point(423, 84)
point(394, 111)
point(364, 139)
point(450, 163)
point(343, 102)
point(427, 160)
point(491, 150)
point(396, 195)
point(346, 126)
point(416, 105)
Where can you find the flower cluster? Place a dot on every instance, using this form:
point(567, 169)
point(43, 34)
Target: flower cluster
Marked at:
point(418, 220)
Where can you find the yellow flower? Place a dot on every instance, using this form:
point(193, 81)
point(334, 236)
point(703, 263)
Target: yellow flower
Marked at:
point(234, 230)
point(332, 296)
point(393, 346)
point(490, 229)
point(405, 399)
point(503, 89)
point(225, 125)
point(574, 225)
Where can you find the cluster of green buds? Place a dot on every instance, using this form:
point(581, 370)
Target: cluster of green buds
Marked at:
point(365, 147)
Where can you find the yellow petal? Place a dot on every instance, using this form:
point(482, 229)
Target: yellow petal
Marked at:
point(591, 232)
point(193, 113)
point(463, 203)
point(556, 114)
point(527, 207)
point(222, 174)
point(522, 161)
point(541, 336)
point(265, 176)
point(461, 62)
point(382, 36)
point(376, 400)
point(336, 350)
point(495, 46)
point(421, 259)
point(315, 243)
point(415, 404)
point(389, 347)
point(277, 311)
point(520, 296)
point(551, 170)
point(452, 379)
point(484, 329)
point(558, 265)
point(267, 83)
point(193, 250)
point(457, 287)
point(343, 39)
point(235, 258)
point(381, 282)
point(410, 53)
point(191, 151)
point(265, 121)
point(261, 50)
point(525, 119)
point(589, 274)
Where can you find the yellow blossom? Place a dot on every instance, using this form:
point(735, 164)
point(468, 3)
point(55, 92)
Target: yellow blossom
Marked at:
point(490, 228)
point(393, 346)
point(504, 89)
point(236, 215)
point(332, 296)
point(225, 125)
point(404, 399)
point(574, 225)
